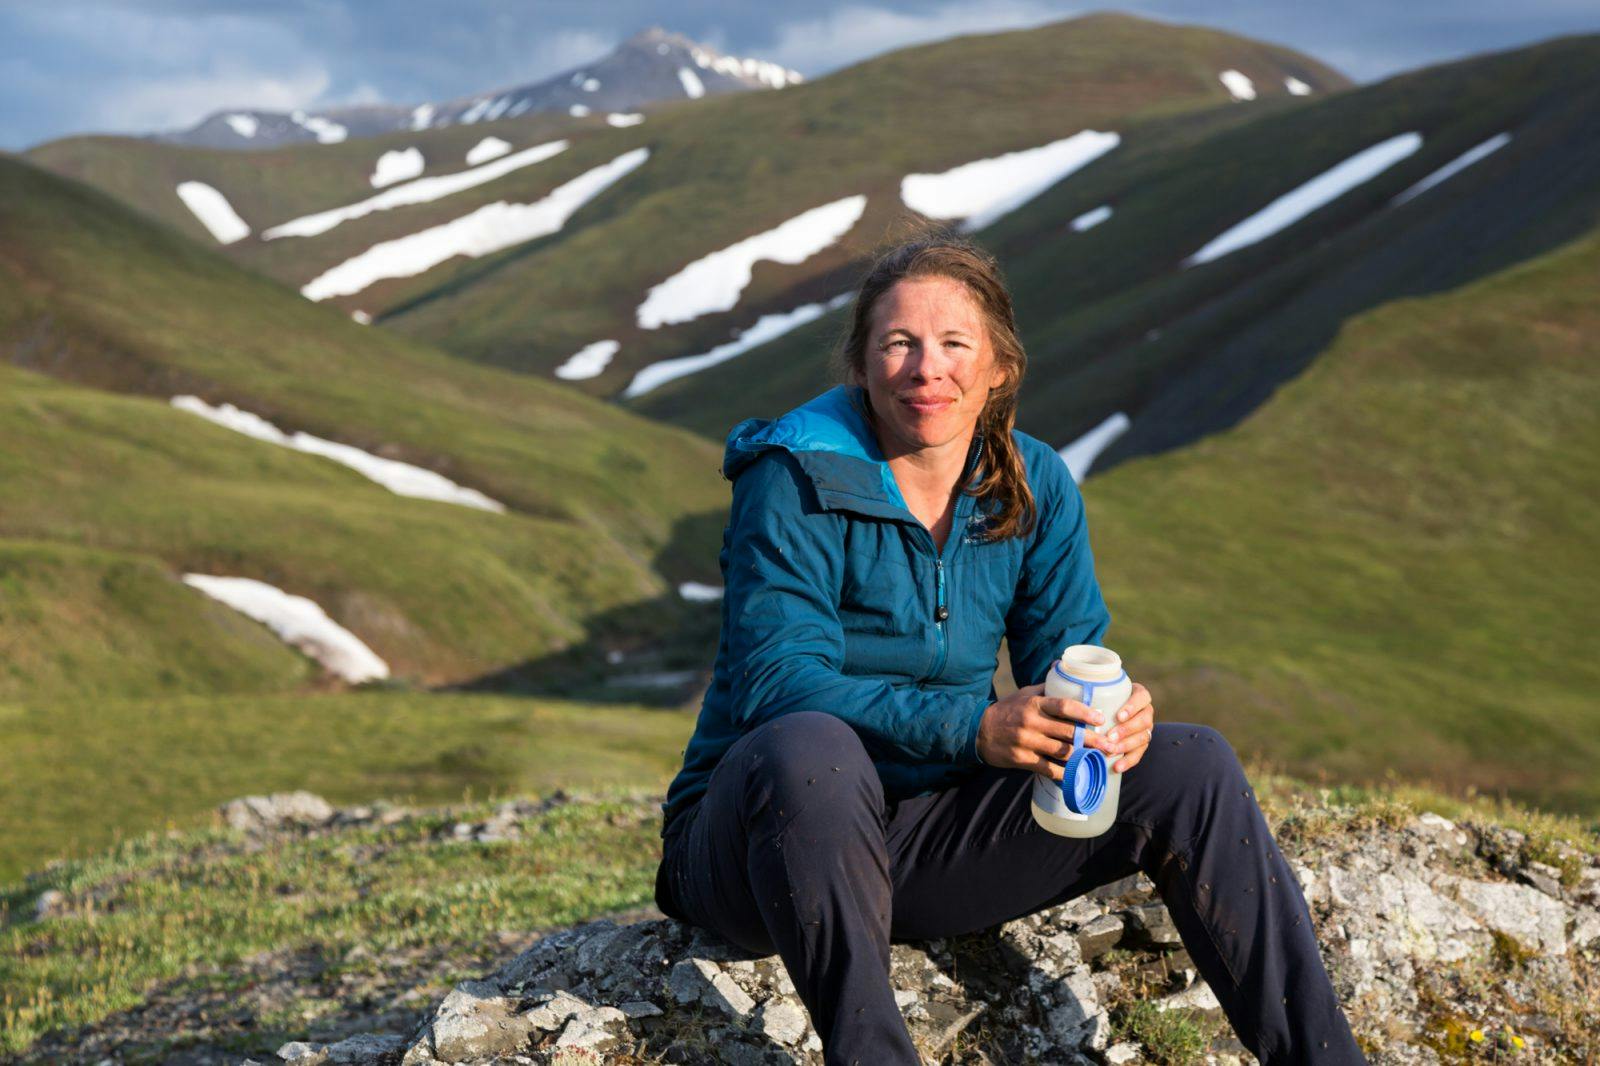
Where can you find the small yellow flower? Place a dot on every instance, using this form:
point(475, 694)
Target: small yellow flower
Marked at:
point(1518, 1042)
point(1476, 1036)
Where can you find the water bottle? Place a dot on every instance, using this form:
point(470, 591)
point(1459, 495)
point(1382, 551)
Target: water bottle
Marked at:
point(1084, 802)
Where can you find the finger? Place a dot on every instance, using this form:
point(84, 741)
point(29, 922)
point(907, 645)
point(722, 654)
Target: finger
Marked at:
point(1055, 728)
point(1047, 745)
point(1072, 710)
point(1134, 731)
point(1130, 760)
point(1137, 701)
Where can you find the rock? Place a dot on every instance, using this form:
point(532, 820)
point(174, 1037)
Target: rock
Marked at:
point(302, 1053)
point(51, 902)
point(281, 810)
point(1122, 1054)
point(1585, 929)
point(596, 1029)
point(1099, 936)
point(1151, 924)
point(476, 1020)
point(367, 1049)
point(1533, 918)
point(782, 1022)
point(1197, 997)
point(1544, 877)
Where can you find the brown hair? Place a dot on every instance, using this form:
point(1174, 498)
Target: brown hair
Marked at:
point(943, 254)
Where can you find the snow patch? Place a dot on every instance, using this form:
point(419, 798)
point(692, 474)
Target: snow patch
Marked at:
point(326, 131)
point(487, 149)
point(766, 328)
point(691, 83)
point(1091, 219)
point(1301, 201)
point(423, 190)
point(213, 210)
point(421, 116)
point(402, 479)
point(488, 229)
point(578, 110)
point(363, 317)
point(397, 166)
point(625, 118)
point(297, 621)
point(984, 189)
point(243, 125)
point(588, 361)
point(1238, 86)
point(591, 84)
point(1296, 87)
point(1081, 453)
point(476, 111)
point(695, 592)
point(1455, 166)
point(714, 282)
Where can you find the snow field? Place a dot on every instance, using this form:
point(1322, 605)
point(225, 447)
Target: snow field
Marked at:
point(714, 282)
point(297, 621)
point(984, 189)
point(487, 149)
point(767, 327)
point(1454, 167)
point(1299, 202)
point(402, 479)
point(420, 191)
point(588, 361)
point(213, 211)
point(397, 165)
point(488, 229)
point(1081, 453)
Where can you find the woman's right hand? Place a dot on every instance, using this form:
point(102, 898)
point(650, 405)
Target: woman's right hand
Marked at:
point(1027, 730)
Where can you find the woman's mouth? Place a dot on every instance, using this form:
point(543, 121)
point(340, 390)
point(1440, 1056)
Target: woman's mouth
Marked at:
point(927, 405)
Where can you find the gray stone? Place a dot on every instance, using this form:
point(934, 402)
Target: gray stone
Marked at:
point(1197, 997)
point(1585, 929)
point(476, 1021)
point(1099, 936)
point(728, 997)
point(598, 1029)
point(366, 1049)
point(1544, 877)
point(554, 1012)
point(51, 902)
point(1526, 914)
point(257, 814)
point(639, 1008)
point(782, 1021)
point(1152, 925)
point(1122, 1054)
point(303, 1053)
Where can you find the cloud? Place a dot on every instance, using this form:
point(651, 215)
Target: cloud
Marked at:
point(847, 34)
point(181, 101)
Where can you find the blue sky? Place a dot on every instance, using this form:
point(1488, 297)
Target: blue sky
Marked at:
point(75, 66)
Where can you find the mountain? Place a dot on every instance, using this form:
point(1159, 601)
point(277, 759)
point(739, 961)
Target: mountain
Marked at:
point(1117, 317)
point(550, 511)
point(653, 65)
point(726, 172)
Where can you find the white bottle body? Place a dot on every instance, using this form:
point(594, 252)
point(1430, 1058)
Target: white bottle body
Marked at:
point(1102, 668)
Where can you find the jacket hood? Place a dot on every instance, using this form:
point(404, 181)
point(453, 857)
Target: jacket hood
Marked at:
point(830, 439)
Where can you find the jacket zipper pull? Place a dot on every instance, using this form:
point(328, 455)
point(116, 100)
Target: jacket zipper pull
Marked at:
point(941, 612)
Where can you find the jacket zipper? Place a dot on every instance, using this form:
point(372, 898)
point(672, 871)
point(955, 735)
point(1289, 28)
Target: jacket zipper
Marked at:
point(940, 613)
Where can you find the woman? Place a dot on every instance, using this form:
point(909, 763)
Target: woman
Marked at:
point(853, 777)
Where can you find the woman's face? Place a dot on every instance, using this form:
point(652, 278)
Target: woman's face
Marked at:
point(929, 364)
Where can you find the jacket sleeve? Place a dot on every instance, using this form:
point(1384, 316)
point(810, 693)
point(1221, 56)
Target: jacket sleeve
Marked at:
point(785, 573)
point(1057, 601)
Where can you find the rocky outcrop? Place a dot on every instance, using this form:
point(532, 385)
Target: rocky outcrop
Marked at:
point(1447, 942)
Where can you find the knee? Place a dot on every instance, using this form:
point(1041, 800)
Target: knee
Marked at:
point(1199, 760)
point(812, 762)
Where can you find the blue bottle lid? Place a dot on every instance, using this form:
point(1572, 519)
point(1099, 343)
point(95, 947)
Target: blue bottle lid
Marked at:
point(1083, 779)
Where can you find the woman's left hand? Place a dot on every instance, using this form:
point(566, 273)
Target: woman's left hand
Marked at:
point(1130, 733)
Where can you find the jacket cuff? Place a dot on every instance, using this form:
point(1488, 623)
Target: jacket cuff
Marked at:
point(968, 755)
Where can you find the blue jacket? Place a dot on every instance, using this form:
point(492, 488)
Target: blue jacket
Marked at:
point(836, 601)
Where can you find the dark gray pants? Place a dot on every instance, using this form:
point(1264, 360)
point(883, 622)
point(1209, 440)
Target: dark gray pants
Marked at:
point(793, 849)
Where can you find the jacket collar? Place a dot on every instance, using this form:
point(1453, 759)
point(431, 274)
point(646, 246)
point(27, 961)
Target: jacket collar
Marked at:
point(830, 439)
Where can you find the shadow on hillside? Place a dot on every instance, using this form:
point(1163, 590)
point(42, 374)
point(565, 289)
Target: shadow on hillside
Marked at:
point(656, 652)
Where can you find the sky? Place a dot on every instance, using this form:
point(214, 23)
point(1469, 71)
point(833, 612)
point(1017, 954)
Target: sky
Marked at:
point(137, 66)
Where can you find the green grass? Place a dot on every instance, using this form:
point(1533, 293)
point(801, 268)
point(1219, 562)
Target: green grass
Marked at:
point(81, 773)
point(191, 909)
point(1171, 1037)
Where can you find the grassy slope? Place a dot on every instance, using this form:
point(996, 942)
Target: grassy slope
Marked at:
point(724, 168)
point(93, 293)
point(1390, 568)
point(406, 912)
point(1231, 330)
